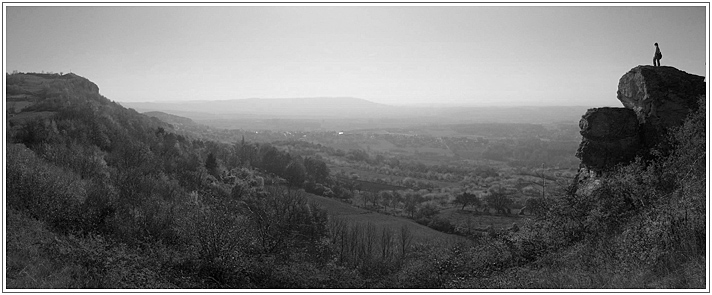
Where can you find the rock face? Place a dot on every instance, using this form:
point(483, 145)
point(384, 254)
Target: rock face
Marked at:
point(655, 100)
point(610, 136)
point(74, 82)
point(662, 97)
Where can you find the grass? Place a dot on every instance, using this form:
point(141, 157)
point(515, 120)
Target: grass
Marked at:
point(374, 187)
point(18, 105)
point(480, 220)
point(28, 263)
point(362, 216)
point(563, 272)
point(24, 117)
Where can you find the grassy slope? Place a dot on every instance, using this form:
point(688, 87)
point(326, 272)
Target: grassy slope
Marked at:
point(357, 215)
point(28, 263)
point(480, 221)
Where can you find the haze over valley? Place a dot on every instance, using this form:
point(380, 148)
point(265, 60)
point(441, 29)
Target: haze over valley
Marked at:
point(345, 113)
point(328, 146)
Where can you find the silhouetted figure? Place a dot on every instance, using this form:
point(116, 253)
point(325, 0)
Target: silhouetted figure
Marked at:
point(658, 56)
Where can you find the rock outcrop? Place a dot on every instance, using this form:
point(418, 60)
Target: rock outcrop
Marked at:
point(656, 99)
point(662, 97)
point(610, 136)
point(73, 81)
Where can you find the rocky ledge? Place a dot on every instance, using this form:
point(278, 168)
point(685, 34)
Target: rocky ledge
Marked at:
point(655, 99)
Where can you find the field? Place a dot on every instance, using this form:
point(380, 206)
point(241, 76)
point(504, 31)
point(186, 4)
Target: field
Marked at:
point(353, 214)
point(373, 187)
point(17, 106)
point(480, 221)
point(22, 118)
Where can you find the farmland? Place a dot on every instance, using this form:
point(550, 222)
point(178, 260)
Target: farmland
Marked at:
point(354, 215)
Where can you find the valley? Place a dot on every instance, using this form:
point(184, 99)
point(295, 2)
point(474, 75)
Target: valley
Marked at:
point(435, 162)
point(101, 196)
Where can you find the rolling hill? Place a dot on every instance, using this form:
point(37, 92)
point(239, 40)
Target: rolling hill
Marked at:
point(311, 107)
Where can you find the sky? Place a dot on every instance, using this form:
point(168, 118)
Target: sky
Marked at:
point(463, 55)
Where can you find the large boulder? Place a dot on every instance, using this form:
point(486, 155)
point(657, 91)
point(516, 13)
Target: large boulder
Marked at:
point(610, 136)
point(662, 97)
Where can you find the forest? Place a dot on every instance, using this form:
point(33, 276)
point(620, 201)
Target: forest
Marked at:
point(101, 196)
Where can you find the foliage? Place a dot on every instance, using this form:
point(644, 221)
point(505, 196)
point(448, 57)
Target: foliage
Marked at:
point(295, 173)
point(46, 192)
point(466, 199)
point(644, 218)
point(211, 164)
point(100, 196)
point(442, 224)
point(497, 198)
point(283, 220)
point(316, 169)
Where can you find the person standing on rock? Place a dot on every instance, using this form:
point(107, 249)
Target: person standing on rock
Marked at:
point(658, 56)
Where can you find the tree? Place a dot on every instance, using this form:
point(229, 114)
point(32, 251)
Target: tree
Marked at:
point(386, 197)
point(283, 221)
point(428, 210)
point(498, 199)
point(370, 197)
point(211, 164)
point(411, 203)
point(295, 173)
point(466, 199)
point(395, 199)
point(271, 159)
point(316, 169)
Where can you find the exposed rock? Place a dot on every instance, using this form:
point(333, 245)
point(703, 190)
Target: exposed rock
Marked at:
point(663, 94)
point(610, 136)
point(586, 181)
point(74, 82)
point(662, 97)
point(656, 99)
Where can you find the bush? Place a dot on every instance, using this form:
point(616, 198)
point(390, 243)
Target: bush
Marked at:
point(46, 192)
point(100, 205)
point(442, 224)
point(28, 263)
point(427, 211)
point(282, 220)
point(644, 219)
point(102, 264)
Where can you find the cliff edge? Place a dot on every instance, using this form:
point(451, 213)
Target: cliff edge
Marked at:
point(655, 100)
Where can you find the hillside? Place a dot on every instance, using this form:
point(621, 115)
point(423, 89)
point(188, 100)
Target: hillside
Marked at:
point(100, 196)
point(353, 214)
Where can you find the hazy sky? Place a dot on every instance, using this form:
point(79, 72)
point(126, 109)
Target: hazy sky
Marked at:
point(505, 55)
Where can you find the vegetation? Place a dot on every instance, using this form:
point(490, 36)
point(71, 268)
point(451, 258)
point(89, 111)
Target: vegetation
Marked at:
point(99, 196)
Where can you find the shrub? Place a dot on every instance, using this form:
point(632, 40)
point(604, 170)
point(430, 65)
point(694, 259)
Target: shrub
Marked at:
point(28, 264)
point(427, 211)
point(282, 219)
point(46, 192)
point(100, 205)
point(441, 224)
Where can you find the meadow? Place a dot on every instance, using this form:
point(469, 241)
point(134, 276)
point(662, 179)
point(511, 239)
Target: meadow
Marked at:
point(355, 215)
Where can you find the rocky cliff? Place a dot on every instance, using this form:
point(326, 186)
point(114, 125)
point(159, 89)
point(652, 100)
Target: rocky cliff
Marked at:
point(610, 136)
point(662, 97)
point(655, 99)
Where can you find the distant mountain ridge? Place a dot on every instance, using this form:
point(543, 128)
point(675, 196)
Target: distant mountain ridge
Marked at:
point(345, 108)
point(309, 107)
point(170, 118)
